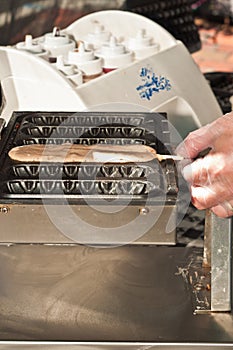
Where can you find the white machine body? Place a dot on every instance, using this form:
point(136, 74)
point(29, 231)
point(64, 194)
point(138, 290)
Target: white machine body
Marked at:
point(164, 78)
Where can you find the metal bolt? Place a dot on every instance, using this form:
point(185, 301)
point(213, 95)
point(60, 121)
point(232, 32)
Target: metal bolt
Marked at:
point(4, 210)
point(144, 211)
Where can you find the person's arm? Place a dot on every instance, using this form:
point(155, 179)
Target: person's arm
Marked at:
point(211, 177)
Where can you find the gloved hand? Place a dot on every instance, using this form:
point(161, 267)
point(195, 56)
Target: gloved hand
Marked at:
point(211, 177)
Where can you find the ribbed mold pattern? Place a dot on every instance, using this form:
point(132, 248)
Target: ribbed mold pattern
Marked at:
point(87, 180)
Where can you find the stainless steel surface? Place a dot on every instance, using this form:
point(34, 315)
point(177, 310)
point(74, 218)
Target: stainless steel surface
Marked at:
point(211, 282)
point(220, 263)
point(107, 285)
point(138, 200)
point(81, 294)
point(110, 346)
point(27, 223)
point(207, 239)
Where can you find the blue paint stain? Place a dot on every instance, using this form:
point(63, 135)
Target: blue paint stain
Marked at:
point(152, 83)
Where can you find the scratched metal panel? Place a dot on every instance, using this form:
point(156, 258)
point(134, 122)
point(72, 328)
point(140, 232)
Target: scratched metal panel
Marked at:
point(111, 346)
point(83, 294)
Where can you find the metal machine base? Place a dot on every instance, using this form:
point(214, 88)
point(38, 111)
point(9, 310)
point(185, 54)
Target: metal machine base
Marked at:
point(78, 297)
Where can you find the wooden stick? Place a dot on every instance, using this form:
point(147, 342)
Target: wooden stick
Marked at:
point(99, 153)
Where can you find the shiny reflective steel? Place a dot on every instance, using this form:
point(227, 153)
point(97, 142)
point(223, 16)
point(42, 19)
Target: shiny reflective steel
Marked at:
point(96, 296)
point(59, 294)
point(221, 282)
point(213, 280)
point(111, 346)
point(73, 189)
point(28, 223)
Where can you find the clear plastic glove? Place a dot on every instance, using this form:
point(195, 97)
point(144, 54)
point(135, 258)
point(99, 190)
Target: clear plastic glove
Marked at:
point(210, 177)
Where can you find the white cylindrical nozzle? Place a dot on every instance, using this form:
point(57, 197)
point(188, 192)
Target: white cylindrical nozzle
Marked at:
point(80, 54)
point(69, 70)
point(31, 46)
point(142, 40)
point(113, 48)
point(56, 31)
point(114, 54)
point(97, 36)
point(81, 48)
point(142, 45)
point(28, 40)
point(55, 38)
point(58, 43)
point(85, 60)
point(98, 28)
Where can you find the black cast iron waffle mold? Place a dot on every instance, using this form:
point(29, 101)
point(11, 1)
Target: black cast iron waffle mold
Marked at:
point(78, 182)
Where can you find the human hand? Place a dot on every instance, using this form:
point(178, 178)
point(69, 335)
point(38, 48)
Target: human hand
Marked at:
point(211, 177)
